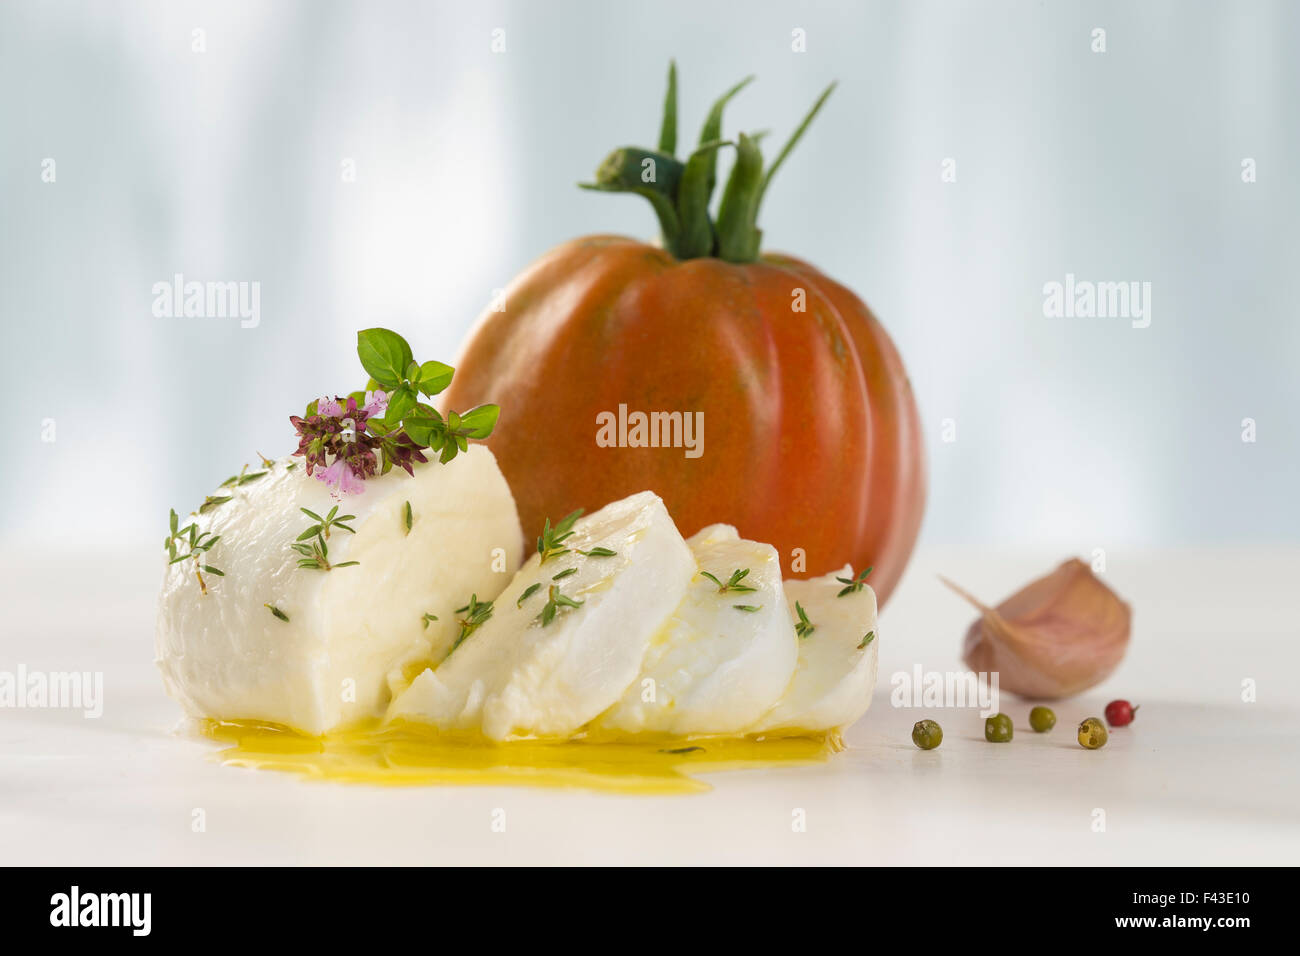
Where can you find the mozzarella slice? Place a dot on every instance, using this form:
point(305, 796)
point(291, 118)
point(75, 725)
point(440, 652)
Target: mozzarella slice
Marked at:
point(835, 677)
point(514, 677)
point(714, 668)
point(225, 655)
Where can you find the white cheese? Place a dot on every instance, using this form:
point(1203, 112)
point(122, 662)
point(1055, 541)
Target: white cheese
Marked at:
point(714, 668)
point(225, 655)
point(514, 677)
point(835, 677)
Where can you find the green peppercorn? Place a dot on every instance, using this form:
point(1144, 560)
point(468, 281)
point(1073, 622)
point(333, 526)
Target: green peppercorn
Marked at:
point(998, 729)
point(1092, 734)
point(1042, 719)
point(926, 734)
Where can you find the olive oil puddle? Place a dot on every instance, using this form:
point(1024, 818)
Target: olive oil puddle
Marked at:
point(406, 755)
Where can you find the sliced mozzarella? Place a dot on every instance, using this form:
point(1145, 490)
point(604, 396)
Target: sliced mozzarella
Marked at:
point(225, 655)
point(835, 677)
point(714, 668)
point(514, 677)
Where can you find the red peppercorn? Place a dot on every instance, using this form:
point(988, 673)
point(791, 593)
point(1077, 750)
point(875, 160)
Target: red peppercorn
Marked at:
point(1119, 713)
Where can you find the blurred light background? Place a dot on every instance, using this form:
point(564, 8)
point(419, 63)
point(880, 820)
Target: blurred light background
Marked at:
point(226, 165)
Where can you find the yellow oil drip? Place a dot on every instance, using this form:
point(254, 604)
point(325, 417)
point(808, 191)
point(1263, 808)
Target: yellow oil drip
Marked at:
point(407, 755)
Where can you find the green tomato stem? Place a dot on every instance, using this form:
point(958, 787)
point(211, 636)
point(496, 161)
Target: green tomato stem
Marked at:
point(668, 130)
point(680, 193)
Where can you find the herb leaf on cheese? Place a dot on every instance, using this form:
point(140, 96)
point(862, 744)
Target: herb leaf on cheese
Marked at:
point(803, 627)
point(367, 432)
point(323, 525)
point(528, 592)
point(476, 615)
point(315, 555)
point(212, 501)
point(854, 583)
point(733, 583)
point(555, 601)
point(198, 544)
point(243, 478)
point(550, 543)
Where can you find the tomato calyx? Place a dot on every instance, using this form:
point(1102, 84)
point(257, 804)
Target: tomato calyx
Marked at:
point(680, 190)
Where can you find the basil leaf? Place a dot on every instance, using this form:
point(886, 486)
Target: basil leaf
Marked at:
point(399, 403)
point(434, 377)
point(423, 429)
point(480, 420)
point(384, 355)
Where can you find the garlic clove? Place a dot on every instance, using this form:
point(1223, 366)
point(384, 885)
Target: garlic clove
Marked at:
point(1056, 637)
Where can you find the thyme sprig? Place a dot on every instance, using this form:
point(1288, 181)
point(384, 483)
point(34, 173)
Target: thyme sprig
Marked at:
point(556, 600)
point(323, 525)
point(854, 583)
point(867, 639)
point(732, 583)
point(528, 592)
point(243, 478)
point(428, 619)
point(597, 553)
point(550, 543)
point(280, 615)
point(315, 555)
point(198, 544)
point(213, 501)
point(751, 608)
point(803, 627)
point(476, 614)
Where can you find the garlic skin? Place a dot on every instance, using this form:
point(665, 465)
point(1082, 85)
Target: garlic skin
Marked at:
point(1054, 638)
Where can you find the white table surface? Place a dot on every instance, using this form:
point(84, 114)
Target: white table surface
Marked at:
point(1201, 777)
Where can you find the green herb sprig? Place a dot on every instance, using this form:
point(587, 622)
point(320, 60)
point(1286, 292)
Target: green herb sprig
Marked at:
point(867, 639)
point(803, 627)
point(315, 555)
point(733, 583)
point(198, 544)
point(394, 430)
point(476, 614)
point(323, 525)
point(279, 615)
point(388, 361)
point(528, 592)
point(550, 543)
point(556, 600)
point(428, 619)
point(243, 478)
point(854, 583)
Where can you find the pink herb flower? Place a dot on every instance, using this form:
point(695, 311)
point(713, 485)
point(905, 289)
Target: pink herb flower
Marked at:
point(340, 449)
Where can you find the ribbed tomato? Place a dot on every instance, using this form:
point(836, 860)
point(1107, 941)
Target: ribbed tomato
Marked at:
point(810, 437)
